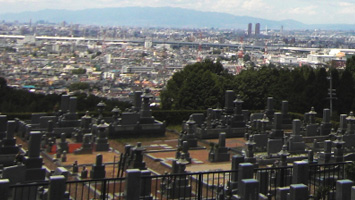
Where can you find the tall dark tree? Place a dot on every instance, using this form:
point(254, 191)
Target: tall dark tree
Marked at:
point(350, 64)
point(345, 92)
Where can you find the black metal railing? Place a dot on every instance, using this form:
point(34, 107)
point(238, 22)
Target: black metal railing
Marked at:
point(202, 185)
point(28, 191)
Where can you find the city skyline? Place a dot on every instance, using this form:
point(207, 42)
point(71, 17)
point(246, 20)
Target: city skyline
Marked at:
point(308, 12)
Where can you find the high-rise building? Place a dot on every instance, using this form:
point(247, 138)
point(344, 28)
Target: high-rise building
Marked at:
point(282, 30)
point(250, 27)
point(257, 29)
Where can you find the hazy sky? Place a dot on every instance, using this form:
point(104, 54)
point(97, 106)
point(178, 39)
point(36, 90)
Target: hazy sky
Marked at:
point(306, 11)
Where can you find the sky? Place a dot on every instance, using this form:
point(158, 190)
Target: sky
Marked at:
point(306, 11)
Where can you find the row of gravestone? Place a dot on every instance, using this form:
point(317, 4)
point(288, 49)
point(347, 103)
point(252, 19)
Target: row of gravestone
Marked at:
point(290, 183)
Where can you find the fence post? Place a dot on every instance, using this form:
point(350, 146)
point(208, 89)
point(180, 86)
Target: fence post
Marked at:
point(300, 172)
point(281, 193)
point(103, 190)
point(146, 185)
point(4, 188)
point(132, 189)
point(245, 171)
point(57, 187)
point(200, 176)
point(343, 189)
point(299, 192)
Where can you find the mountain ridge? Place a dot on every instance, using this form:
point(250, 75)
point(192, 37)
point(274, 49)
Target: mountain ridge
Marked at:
point(152, 17)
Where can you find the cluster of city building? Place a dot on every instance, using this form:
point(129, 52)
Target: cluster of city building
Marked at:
point(113, 61)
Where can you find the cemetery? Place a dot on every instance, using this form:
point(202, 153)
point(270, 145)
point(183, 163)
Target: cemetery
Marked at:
point(227, 153)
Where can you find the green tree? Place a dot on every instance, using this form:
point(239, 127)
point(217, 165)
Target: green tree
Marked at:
point(78, 71)
point(345, 92)
point(350, 64)
point(79, 86)
point(197, 86)
point(246, 57)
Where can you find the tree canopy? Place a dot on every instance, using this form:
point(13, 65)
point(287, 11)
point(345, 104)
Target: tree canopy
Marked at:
point(197, 86)
point(202, 85)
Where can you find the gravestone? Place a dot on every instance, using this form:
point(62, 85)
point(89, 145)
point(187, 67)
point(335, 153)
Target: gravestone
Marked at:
point(311, 125)
point(86, 147)
point(296, 143)
point(137, 101)
point(146, 112)
point(269, 111)
point(100, 108)
point(342, 125)
point(84, 173)
point(178, 188)
point(3, 126)
point(325, 127)
point(15, 173)
point(325, 156)
point(283, 156)
point(63, 144)
point(85, 127)
point(189, 135)
point(219, 153)
point(64, 104)
point(102, 140)
point(33, 161)
point(8, 144)
point(339, 151)
point(185, 149)
point(277, 131)
point(350, 124)
point(64, 156)
point(229, 98)
point(75, 167)
point(286, 119)
point(249, 156)
point(98, 169)
point(136, 157)
point(274, 146)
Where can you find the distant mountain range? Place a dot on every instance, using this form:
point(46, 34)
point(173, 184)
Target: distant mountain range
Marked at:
point(161, 17)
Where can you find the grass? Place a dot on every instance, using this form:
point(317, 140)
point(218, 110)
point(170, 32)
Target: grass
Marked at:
point(177, 128)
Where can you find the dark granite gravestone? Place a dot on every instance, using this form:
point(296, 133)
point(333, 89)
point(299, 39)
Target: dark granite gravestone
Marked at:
point(102, 141)
point(86, 147)
point(325, 156)
point(15, 173)
point(325, 126)
point(63, 144)
point(136, 157)
point(8, 144)
point(98, 169)
point(3, 126)
point(33, 161)
point(249, 155)
point(277, 131)
point(350, 124)
point(311, 125)
point(219, 153)
point(189, 135)
point(296, 143)
point(178, 188)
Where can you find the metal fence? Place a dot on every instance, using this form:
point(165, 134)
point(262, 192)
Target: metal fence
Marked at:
point(203, 185)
